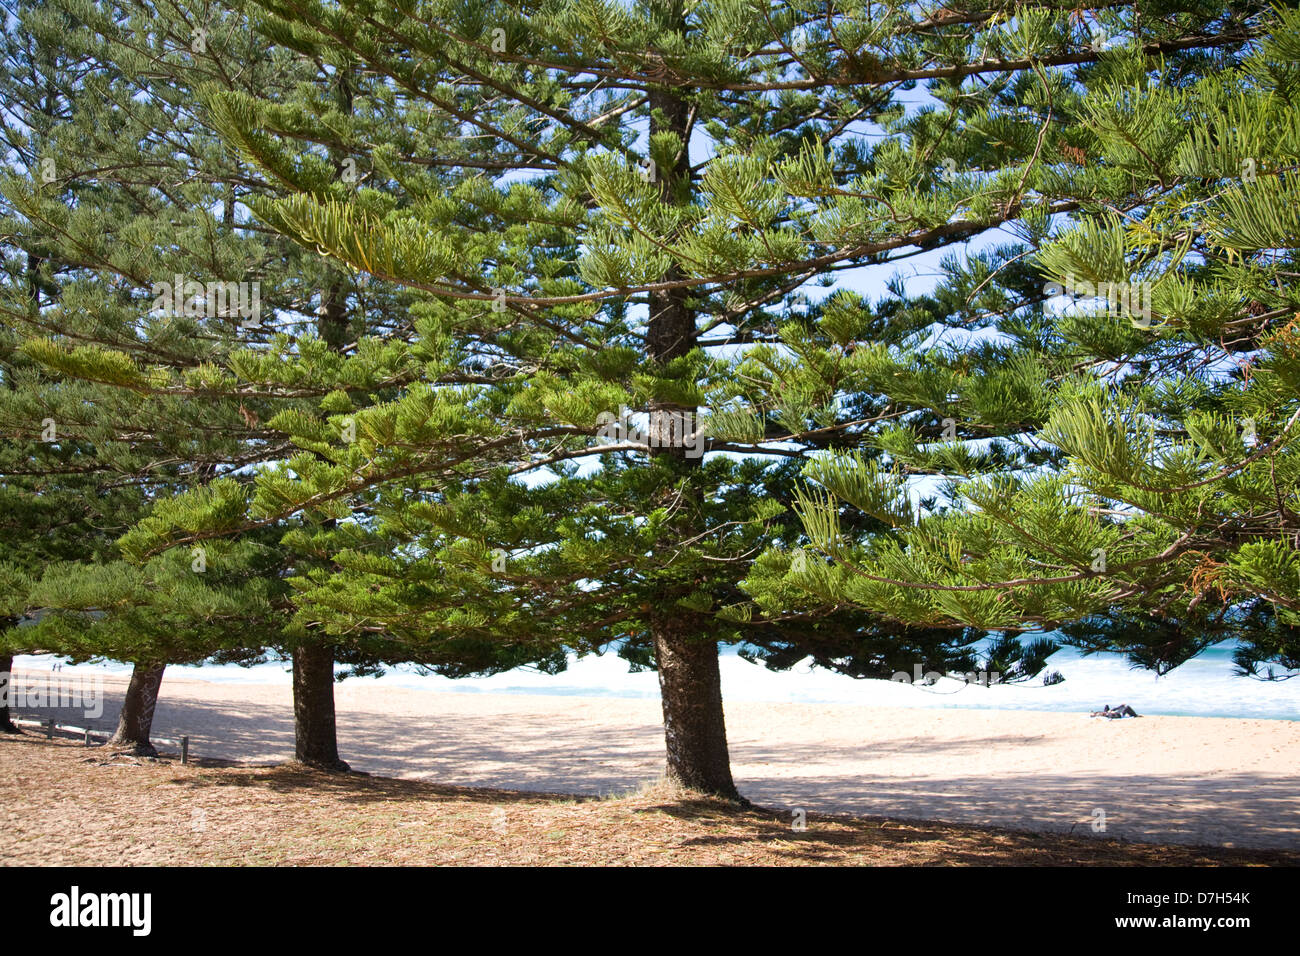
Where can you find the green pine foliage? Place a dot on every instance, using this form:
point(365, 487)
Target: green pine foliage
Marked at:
point(563, 346)
point(661, 187)
point(1156, 517)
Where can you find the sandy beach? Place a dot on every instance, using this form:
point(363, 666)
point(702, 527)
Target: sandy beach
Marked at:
point(1190, 780)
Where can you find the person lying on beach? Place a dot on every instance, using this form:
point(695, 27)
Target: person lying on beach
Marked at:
point(1123, 710)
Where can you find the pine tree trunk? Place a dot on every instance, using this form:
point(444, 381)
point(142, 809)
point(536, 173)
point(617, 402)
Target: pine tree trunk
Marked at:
point(136, 719)
point(315, 734)
point(690, 687)
point(690, 684)
point(7, 675)
point(315, 727)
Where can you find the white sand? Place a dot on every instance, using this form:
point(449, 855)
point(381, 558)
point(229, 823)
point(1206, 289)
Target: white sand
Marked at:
point(1200, 780)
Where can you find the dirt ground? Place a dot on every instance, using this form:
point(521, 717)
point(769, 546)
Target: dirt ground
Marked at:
point(1196, 781)
point(65, 804)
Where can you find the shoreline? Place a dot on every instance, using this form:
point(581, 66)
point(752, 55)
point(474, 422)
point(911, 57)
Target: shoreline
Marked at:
point(606, 678)
point(365, 686)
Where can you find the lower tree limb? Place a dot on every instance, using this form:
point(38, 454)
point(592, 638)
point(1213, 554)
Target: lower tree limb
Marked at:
point(315, 731)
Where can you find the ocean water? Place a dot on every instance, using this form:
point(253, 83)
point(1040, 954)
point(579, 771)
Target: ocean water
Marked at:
point(1203, 687)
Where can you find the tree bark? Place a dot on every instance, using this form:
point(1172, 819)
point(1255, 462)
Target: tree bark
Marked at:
point(315, 728)
point(690, 684)
point(7, 675)
point(690, 688)
point(315, 733)
point(135, 721)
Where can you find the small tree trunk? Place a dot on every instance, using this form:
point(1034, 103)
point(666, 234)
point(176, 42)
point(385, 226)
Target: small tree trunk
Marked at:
point(315, 734)
point(7, 676)
point(690, 688)
point(136, 720)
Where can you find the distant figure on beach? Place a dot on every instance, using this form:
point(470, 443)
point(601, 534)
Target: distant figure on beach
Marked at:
point(1123, 710)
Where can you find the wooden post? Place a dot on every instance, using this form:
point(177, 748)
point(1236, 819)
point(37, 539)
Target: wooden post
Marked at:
point(87, 736)
point(185, 750)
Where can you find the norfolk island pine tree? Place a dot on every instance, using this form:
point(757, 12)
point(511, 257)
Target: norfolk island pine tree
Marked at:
point(244, 387)
point(648, 243)
point(171, 366)
point(63, 497)
point(1161, 523)
point(71, 208)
